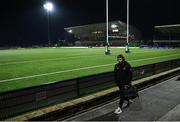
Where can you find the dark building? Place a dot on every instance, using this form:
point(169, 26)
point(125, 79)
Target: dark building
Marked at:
point(167, 35)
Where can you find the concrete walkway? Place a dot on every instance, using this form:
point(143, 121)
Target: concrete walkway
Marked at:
point(157, 103)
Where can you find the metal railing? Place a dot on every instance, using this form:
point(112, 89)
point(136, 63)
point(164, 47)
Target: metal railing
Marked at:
point(19, 101)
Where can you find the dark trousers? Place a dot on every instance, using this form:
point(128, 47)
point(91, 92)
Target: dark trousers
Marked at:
point(122, 98)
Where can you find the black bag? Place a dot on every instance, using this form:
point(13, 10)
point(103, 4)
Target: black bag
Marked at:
point(131, 92)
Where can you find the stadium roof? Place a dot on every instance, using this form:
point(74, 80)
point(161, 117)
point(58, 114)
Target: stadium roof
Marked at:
point(166, 29)
point(98, 28)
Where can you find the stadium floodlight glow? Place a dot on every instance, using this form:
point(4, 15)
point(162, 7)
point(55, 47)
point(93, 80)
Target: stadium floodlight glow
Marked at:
point(115, 30)
point(114, 26)
point(48, 6)
point(70, 31)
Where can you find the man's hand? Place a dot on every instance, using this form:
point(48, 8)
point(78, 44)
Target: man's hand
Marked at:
point(126, 86)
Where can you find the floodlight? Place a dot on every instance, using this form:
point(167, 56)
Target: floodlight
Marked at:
point(48, 6)
point(114, 26)
point(115, 30)
point(70, 31)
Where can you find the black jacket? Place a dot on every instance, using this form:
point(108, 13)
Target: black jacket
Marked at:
point(123, 74)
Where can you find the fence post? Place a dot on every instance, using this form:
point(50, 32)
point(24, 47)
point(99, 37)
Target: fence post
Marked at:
point(172, 63)
point(154, 69)
point(77, 87)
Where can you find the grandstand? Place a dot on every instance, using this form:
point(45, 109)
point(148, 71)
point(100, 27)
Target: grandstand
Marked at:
point(95, 34)
point(167, 35)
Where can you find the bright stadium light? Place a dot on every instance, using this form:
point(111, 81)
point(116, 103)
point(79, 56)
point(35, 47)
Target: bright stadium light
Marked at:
point(107, 47)
point(114, 26)
point(48, 6)
point(115, 30)
point(70, 31)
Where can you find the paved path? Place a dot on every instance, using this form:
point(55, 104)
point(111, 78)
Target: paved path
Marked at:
point(159, 102)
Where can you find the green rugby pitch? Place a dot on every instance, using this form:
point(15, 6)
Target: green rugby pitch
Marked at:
point(22, 68)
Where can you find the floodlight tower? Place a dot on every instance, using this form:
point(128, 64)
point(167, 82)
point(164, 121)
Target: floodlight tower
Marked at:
point(48, 6)
point(127, 43)
point(107, 50)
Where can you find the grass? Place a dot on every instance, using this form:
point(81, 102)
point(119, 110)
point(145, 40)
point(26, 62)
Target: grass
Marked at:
point(29, 67)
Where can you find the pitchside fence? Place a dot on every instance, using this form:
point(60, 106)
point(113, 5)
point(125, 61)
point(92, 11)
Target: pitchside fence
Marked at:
point(19, 101)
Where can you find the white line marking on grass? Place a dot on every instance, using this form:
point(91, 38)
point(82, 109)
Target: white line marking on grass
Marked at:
point(21, 62)
point(43, 60)
point(52, 73)
point(83, 68)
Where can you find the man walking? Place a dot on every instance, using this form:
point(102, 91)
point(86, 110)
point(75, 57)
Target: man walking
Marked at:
point(123, 77)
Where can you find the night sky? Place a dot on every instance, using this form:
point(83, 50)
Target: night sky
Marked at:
point(24, 22)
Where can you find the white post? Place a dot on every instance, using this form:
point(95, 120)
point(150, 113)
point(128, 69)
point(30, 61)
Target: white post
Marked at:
point(127, 43)
point(107, 50)
point(127, 21)
point(107, 23)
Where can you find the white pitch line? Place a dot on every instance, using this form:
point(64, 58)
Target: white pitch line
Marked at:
point(83, 68)
point(21, 62)
point(52, 73)
point(42, 60)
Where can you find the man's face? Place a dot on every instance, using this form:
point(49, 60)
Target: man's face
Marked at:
point(120, 60)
